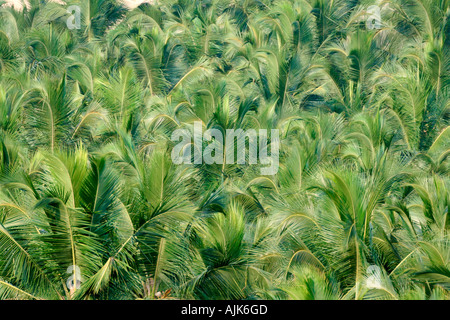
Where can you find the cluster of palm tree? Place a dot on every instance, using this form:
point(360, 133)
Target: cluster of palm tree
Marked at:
point(93, 207)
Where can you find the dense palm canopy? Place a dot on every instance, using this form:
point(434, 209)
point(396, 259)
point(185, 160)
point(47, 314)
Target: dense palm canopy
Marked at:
point(359, 208)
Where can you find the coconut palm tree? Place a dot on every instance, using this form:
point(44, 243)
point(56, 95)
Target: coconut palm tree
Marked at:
point(92, 206)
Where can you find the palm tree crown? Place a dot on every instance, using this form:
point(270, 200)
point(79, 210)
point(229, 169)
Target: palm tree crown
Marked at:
point(93, 207)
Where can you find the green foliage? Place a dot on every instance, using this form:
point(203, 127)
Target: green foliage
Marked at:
point(359, 208)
